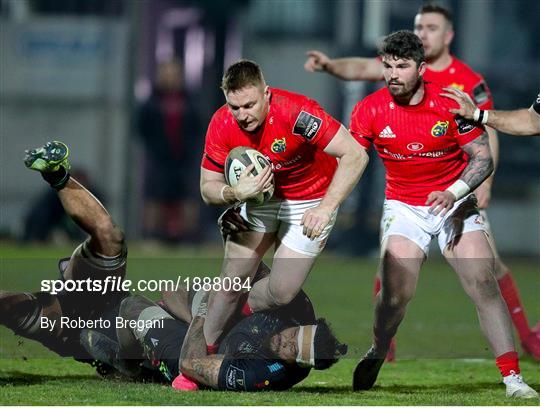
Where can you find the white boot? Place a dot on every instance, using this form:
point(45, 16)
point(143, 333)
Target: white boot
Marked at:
point(516, 387)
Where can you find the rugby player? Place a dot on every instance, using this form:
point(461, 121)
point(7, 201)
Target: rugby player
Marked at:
point(434, 26)
point(304, 144)
point(521, 122)
point(276, 349)
point(434, 160)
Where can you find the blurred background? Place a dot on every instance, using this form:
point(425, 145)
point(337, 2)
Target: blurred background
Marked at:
point(130, 86)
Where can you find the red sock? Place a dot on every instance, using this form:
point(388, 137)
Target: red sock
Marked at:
point(246, 309)
point(376, 286)
point(212, 348)
point(510, 294)
point(508, 362)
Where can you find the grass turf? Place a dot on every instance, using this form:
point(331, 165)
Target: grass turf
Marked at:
point(442, 357)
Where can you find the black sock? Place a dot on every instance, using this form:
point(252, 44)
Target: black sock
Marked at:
point(57, 179)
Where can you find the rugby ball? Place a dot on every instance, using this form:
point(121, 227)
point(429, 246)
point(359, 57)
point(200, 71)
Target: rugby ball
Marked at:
point(238, 159)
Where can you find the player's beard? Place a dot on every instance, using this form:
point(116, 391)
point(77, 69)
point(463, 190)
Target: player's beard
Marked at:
point(406, 90)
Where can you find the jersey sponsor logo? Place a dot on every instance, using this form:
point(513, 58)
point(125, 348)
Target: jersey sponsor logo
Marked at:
point(294, 160)
point(454, 85)
point(235, 377)
point(480, 93)
point(387, 133)
point(279, 145)
point(307, 125)
point(464, 126)
point(440, 128)
point(274, 368)
point(415, 146)
point(434, 153)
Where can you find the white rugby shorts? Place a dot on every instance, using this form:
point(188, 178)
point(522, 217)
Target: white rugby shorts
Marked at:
point(418, 225)
point(283, 217)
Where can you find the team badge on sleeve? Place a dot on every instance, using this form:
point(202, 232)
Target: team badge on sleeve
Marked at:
point(464, 126)
point(439, 129)
point(480, 93)
point(307, 125)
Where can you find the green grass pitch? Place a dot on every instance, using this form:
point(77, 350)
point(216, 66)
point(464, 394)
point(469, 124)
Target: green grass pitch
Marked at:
point(443, 358)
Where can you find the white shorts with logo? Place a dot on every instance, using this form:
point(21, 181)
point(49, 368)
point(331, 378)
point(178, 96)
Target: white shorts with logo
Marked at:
point(418, 225)
point(284, 217)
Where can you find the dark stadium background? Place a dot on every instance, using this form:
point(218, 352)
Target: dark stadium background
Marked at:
point(76, 70)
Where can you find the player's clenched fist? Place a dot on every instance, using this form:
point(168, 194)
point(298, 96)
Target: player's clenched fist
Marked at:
point(315, 221)
point(440, 201)
point(316, 61)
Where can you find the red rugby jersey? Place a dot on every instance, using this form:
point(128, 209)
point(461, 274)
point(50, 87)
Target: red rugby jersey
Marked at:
point(293, 137)
point(459, 75)
point(419, 145)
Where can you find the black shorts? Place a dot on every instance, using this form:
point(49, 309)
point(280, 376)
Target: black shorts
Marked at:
point(165, 344)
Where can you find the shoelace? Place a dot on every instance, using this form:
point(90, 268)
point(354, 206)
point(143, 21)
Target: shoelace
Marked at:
point(516, 377)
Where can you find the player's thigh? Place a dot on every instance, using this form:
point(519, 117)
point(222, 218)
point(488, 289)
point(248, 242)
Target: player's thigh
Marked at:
point(471, 257)
point(291, 232)
point(290, 269)
point(401, 260)
point(244, 251)
point(500, 267)
point(408, 222)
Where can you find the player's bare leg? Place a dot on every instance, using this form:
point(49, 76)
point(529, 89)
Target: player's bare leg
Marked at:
point(473, 261)
point(243, 253)
point(23, 312)
point(472, 258)
point(530, 339)
point(399, 270)
point(106, 238)
point(289, 272)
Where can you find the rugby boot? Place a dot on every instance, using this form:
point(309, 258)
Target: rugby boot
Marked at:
point(105, 350)
point(183, 383)
point(49, 158)
point(516, 387)
point(367, 370)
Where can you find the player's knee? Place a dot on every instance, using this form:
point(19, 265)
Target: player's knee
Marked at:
point(281, 296)
point(486, 287)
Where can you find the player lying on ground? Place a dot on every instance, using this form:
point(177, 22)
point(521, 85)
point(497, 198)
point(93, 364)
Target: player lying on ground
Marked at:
point(287, 342)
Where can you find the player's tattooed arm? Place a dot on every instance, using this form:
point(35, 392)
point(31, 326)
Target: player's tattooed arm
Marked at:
point(194, 362)
point(480, 164)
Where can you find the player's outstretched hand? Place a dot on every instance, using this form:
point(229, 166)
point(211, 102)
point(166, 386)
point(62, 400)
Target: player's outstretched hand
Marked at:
point(249, 185)
point(315, 221)
point(466, 104)
point(316, 61)
point(441, 202)
point(231, 222)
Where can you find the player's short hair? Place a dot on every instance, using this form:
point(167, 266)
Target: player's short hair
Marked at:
point(432, 7)
point(327, 347)
point(403, 44)
point(241, 74)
